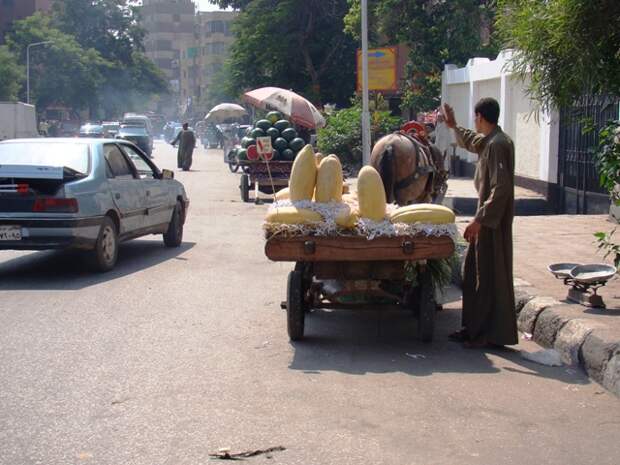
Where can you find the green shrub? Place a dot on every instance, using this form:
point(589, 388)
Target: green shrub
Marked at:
point(342, 134)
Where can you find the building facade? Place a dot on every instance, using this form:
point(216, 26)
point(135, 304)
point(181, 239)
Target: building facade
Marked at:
point(13, 10)
point(552, 150)
point(204, 57)
point(170, 27)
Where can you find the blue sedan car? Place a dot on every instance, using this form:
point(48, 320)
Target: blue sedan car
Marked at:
point(89, 194)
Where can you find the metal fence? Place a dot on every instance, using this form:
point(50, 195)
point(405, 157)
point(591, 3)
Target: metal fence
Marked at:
point(580, 190)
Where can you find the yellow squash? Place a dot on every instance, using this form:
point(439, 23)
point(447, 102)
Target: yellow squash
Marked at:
point(329, 180)
point(427, 213)
point(371, 194)
point(303, 175)
point(283, 194)
point(347, 216)
point(292, 215)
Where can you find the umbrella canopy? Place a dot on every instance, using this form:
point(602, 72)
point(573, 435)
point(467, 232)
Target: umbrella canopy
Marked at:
point(298, 109)
point(225, 111)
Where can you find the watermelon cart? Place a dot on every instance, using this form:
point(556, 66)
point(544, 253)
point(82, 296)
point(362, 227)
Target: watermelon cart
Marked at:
point(263, 176)
point(266, 171)
point(269, 174)
point(350, 272)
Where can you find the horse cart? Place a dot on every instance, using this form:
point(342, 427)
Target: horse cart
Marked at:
point(353, 272)
point(267, 177)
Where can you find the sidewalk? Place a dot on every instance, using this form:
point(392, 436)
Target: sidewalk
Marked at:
point(586, 336)
point(463, 199)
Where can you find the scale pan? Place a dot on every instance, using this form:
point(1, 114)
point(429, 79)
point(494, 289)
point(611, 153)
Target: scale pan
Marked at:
point(593, 273)
point(562, 270)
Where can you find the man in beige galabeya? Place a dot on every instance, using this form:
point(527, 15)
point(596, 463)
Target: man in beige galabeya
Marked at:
point(488, 290)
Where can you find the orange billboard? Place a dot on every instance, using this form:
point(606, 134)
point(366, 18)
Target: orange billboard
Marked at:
point(382, 69)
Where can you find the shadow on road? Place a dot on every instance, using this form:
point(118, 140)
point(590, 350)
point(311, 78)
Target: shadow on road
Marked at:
point(68, 270)
point(385, 342)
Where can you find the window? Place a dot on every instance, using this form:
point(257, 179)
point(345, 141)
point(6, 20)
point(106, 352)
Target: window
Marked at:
point(116, 161)
point(143, 168)
point(71, 155)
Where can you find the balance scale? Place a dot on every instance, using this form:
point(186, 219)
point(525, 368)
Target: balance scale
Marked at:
point(584, 281)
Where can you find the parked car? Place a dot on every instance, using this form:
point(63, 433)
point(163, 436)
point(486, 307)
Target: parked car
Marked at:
point(137, 134)
point(133, 118)
point(111, 128)
point(91, 130)
point(68, 129)
point(88, 194)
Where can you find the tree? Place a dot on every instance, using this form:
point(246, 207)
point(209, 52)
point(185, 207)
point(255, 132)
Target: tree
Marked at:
point(11, 75)
point(437, 33)
point(64, 73)
point(298, 44)
point(567, 48)
point(111, 27)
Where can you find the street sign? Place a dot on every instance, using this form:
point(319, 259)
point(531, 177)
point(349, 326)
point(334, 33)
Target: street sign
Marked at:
point(382, 69)
point(264, 148)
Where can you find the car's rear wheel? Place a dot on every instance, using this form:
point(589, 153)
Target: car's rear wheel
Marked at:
point(173, 237)
point(105, 254)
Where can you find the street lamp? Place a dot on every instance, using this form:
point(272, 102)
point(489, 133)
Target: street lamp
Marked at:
point(28, 66)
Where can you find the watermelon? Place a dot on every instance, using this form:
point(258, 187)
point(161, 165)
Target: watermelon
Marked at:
point(257, 132)
point(282, 125)
point(263, 124)
point(297, 144)
point(242, 154)
point(252, 152)
point(289, 134)
point(246, 141)
point(273, 132)
point(274, 116)
point(275, 155)
point(280, 143)
point(288, 154)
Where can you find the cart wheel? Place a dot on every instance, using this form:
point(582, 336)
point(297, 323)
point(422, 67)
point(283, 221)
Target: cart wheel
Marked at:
point(295, 312)
point(427, 307)
point(244, 186)
point(233, 166)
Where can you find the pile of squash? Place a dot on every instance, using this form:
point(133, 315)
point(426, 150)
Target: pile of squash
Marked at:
point(319, 178)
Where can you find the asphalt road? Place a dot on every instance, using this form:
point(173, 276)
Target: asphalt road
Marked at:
point(177, 353)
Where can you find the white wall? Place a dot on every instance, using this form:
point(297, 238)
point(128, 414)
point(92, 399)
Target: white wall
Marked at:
point(535, 134)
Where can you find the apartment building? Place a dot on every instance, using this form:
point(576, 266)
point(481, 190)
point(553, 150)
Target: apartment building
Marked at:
point(13, 10)
point(204, 57)
point(170, 26)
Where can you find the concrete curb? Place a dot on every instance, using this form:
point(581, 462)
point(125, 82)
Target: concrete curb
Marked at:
point(580, 341)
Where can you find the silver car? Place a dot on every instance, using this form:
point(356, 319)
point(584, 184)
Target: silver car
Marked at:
point(85, 193)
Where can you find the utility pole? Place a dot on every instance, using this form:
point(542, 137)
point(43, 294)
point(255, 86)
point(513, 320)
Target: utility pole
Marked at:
point(28, 66)
point(365, 110)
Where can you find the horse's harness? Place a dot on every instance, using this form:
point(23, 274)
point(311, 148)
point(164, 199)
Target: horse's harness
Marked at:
point(416, 134)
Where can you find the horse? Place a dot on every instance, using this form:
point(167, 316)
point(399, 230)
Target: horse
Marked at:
point(412, 168)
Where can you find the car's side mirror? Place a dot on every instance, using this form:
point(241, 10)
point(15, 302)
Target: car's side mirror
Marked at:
point(167, 174)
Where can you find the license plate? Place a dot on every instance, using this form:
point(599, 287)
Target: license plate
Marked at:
point(10, 233)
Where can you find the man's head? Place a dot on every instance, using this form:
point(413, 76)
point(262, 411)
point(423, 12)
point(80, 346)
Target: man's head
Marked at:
point(185, 126)
point(486, 114)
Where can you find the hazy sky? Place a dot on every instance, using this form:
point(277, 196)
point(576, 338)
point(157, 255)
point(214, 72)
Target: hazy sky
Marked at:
point(204, 5)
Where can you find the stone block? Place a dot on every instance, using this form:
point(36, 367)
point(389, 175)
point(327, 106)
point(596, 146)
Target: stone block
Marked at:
point(523, 294)
point(531, 310)
point(570, 338)
point(611, 377)
point(548, 324)
point(599, 348)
